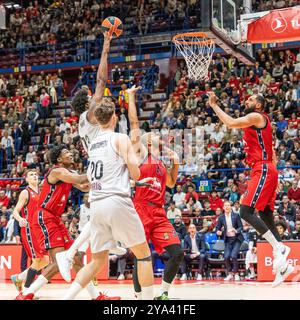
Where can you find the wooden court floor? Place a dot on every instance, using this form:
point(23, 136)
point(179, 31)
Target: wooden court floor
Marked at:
point(188, 290)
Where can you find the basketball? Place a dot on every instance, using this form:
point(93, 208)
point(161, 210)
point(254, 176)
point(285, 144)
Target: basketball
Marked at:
point(114, 25)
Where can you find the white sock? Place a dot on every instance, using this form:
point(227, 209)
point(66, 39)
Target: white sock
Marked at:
point(93, 292)
point(36, 285)
point(148, 293)
point(82, 238)
point(22, 276)
point(73, 291)
point(138, 295)
point(165, 287)
point(272, 240)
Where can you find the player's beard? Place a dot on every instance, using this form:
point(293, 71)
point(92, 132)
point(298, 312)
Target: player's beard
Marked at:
point(249, 110)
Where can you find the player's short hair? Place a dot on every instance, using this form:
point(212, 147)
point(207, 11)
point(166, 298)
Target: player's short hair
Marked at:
point(55, 153)
point(79, 101)
point(25, 175)
point(260, 99)
point(104, 111)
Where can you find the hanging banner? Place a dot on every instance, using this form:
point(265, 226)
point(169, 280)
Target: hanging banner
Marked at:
point(277, 26)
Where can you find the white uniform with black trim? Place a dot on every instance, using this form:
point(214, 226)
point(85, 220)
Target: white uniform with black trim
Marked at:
point(85, 213)
point(113, 216)
point(87, 131)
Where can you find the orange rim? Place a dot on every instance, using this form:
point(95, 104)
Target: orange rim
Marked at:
point(192, 34)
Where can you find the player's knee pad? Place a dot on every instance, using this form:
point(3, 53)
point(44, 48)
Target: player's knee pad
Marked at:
point(147, 259)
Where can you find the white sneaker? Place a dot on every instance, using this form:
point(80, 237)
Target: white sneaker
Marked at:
point(121, 277)
point(183, 277)
point(119, 251)
point(282, 274)
point(64, 265)
point(280, 256)
point(199, 277)
point(229, 277)
point(236, 277)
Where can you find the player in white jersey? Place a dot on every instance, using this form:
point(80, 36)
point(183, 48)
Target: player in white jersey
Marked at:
point(113, 217)
point(84, 218)
point(84, 107)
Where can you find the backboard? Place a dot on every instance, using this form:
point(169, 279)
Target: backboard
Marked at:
point(221, 22)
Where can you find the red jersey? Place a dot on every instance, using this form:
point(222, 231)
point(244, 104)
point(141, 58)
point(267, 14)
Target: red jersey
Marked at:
point(32, 204)
point(54, 197)
point(258, 143)
point(155, 194)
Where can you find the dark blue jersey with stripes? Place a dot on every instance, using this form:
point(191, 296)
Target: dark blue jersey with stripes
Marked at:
point(54, 197)
point(258, 143)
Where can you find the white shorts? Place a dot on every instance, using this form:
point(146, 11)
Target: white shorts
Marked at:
point(115, 219)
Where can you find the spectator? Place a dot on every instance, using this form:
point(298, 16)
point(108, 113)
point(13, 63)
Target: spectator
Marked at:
point(294, 192)
point(295, 235)
point(45, 103)
point(173, 212)
point(230, 228)
point(4, 200)
point(191, 193)
point(251, 256)
point(282, 230)
point(288, 211)
point(179, 227)
point(215, 200)
point(207, 212)
point(195, 251)
point(179, 197)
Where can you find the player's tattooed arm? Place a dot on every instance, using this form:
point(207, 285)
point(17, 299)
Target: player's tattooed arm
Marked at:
point(64, 175)
point(22, 201)
point(252, 119)
point(101, 79)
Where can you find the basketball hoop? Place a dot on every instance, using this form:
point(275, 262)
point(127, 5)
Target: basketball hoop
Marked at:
point(197, 51)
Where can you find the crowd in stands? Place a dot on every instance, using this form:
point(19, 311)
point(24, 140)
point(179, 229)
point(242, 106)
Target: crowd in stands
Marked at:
point(51, 22)
point(27, 102)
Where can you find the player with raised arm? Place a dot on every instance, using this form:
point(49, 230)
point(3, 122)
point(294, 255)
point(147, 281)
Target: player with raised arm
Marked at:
point(51, 233)
point(149, 201)
point(261, 189)
point(23, 213)
point(113, 217)
point(84, 107)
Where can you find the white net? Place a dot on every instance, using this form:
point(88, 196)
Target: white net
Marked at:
point(197, 51)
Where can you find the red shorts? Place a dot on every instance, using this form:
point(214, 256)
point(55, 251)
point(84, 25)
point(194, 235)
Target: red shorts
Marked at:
point(30, 243)
point(157, 227)
point(262, 186)
point(50, 231)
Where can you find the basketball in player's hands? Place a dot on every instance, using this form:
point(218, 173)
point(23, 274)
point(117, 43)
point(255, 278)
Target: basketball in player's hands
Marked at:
point(113, 26)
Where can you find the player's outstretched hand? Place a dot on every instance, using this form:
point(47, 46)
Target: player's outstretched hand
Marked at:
point(212, 99)
point(133, 89)
point(107, 40)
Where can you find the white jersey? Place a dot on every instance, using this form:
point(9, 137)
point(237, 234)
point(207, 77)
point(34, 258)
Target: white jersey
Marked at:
point(84, 216)
point(107, 172)
point(87, 131)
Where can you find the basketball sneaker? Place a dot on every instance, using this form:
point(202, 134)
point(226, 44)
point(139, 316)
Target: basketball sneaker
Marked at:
point(103, 296)
point(282, 274)
point(64, 265)
point(29, 296)
point(183, 277)
point(280, 254)
point(121, 277)
point(229, 277)
point(199, 277)
point(237, 277)
point(163, 296)
point(18, 283)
